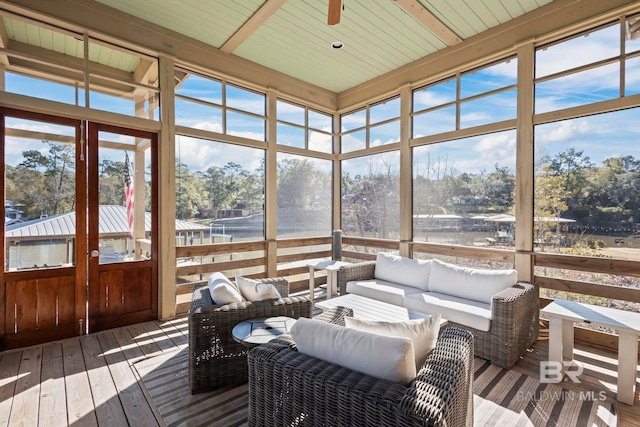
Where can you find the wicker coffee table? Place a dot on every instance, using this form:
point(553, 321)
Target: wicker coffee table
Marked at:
point(253, 332)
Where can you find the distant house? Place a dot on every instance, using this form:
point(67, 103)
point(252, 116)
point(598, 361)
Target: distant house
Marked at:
point(437, 222)
point(12, 213)
point(50, 241)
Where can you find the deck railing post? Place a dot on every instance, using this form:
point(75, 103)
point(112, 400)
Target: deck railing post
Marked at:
point(337, 245)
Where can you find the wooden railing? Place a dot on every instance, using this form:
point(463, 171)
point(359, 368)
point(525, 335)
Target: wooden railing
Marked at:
point(592, 265)
point(486, 254)
point(292, 256)
point(238, 257)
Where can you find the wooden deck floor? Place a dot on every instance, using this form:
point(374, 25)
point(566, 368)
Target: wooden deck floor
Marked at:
point(90, 380)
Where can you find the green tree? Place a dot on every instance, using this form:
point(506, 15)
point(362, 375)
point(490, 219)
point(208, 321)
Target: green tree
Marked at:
point(549, 203)
point(298, 184)
point(189, 194)
point(499, 187)
point(571, 166)
point(44, 182)
point(111, 178)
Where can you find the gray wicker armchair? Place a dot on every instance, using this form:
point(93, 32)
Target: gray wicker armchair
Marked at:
point(515, 316)
point(289, 388)
point(215, 358)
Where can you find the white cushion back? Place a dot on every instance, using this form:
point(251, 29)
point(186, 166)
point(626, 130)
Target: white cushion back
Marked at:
point(404, 271)
point(255, 290)
point(422, 332)
point(389, 358)
point(470, 283)
point(222, 290)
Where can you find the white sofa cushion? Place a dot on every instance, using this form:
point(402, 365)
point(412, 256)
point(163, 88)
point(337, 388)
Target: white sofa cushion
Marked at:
point(255, 290)
point(381, 290)
point(389, 358)
point(470, 283)
point(222, 290)
point(422, 332)
point(466, 312)
point(404, 271)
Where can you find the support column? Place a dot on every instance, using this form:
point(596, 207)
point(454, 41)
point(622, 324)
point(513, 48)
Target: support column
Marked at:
point(523, 261)
point(406, 174)
point(336, 199)
point(167, 191)
point(271, 188)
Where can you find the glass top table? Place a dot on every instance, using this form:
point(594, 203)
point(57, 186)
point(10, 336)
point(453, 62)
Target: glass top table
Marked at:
point(260, 330)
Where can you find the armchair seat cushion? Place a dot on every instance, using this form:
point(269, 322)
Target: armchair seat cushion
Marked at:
point(465, 312)
point(381, 290)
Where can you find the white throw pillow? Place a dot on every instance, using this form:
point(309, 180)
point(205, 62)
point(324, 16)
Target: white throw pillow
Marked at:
point(255, 290)
point(222, 290)
point(388, 358)
point(402, 270)
point(470, 283)
point(422, 332)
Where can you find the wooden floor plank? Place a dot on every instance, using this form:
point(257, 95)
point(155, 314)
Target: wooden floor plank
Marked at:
point(9, 368)
point(176, 331)
point(53, 396)
point(80, 407)
point(158, 335)
point(27, 391)
point(129, 347)
point(101, 367)
point(109, 409)
point(134, 402)
point(144, 341)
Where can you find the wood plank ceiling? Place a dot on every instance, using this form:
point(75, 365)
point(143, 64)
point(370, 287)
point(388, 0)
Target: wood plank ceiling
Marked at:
point(293, 37)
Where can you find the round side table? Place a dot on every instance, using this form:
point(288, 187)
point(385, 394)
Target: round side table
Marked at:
point(253, 332)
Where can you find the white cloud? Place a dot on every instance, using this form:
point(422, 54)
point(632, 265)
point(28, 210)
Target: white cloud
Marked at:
point(474, 118)
point(430, 98)
point(470, 155)
point(592, 48)
point(320, 142)
point(562, 131)
point(199, 154)
point(208, 126)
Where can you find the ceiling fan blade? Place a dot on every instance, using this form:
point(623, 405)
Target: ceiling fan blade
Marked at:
point(334, 12)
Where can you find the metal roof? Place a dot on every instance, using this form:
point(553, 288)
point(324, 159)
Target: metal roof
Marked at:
point(112, 222)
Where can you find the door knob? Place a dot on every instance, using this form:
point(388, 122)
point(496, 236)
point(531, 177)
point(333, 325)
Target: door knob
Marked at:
point(95, 253)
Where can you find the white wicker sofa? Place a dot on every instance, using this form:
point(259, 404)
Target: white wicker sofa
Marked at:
point(501, 312)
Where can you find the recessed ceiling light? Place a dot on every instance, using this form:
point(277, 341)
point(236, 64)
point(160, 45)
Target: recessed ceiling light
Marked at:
point(337, 45)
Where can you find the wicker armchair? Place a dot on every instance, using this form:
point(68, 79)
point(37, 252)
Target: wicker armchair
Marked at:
point(289, 388)
point(515, 315)
point(215, 358)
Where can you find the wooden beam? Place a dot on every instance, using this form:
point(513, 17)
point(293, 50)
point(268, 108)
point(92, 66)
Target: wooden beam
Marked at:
point(267, 9)
point(429, 20)
point(4, 42)
point(333, 15)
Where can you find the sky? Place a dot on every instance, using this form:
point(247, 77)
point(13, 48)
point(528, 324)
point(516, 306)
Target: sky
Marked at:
point(600, 136)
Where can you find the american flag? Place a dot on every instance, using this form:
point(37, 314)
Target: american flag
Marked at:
point(128, 191)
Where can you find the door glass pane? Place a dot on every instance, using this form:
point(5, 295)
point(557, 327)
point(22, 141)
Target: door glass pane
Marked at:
point(40, 189)
point(124, 219)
